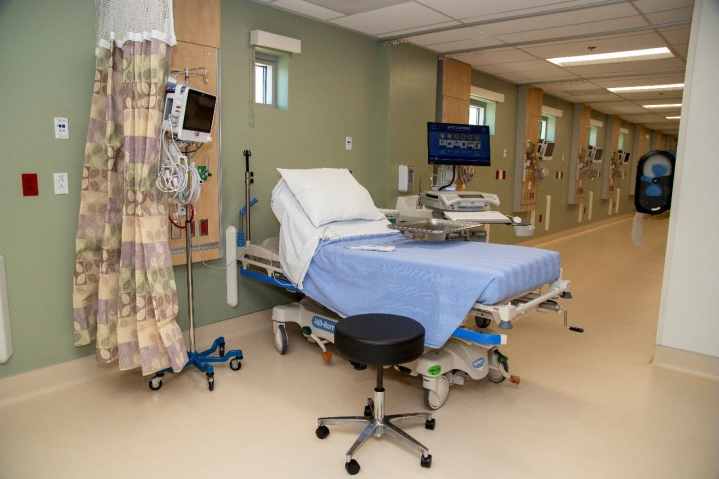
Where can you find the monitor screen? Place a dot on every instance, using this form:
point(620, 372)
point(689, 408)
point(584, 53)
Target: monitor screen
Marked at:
point(550, 149)
point(199, 111)
point(457, 144)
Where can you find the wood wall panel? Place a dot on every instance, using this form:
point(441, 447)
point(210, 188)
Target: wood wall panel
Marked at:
point(197, 22)
point(197, 28)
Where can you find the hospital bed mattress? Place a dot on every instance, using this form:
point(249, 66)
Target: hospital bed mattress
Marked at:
point(435, 283)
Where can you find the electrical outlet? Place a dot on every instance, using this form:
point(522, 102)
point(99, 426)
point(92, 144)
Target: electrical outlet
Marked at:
point(204, 227)
point(175, 232)
point(61, 187)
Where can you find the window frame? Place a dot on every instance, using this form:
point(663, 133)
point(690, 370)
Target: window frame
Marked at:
point(268, 87)
point(482, 116)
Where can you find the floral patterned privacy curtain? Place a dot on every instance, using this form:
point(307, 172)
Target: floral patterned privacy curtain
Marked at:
point(124, 292)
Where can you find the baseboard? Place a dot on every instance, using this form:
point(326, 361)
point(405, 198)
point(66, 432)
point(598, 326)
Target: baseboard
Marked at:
point(578, 230)
point(78, 371)
point(686, 361)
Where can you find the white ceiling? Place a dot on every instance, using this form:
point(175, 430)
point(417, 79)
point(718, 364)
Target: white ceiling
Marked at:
point(511, 39)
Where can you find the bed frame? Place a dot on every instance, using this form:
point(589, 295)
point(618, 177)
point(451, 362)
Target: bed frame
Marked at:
point(471, 352)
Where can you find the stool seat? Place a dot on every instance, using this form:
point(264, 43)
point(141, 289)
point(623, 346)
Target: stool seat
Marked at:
point(377, 338)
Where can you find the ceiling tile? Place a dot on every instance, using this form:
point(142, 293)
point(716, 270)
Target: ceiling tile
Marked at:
point(588, 16)
point(490, 57)
point(676, 35)
point(563, 31)
point(671, 15)
point(482, 10)
point(356, 6)
point(639, 66)
point(392, 19)
point(307, 9)
point(473, 44)
point(637, 41)
point(651, 6)
point(537, 75)
point(508, 67)
point(437, 39)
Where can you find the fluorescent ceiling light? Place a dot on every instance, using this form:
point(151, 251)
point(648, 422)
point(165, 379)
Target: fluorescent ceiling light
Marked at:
point(675, 86)
point(672, 105)
point(614, 57)
point(674, 117)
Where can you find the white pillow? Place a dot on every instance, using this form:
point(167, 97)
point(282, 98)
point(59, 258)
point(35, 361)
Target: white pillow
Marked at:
point(330, 194)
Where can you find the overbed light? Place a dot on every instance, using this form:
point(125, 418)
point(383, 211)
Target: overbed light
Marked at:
point(675, 86)
point(614, 57)
point(672, 105)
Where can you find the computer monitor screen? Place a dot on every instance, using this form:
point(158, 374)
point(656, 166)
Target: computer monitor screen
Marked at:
point(457, 144)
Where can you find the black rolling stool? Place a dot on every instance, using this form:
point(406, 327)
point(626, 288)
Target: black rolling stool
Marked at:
point(379, 339)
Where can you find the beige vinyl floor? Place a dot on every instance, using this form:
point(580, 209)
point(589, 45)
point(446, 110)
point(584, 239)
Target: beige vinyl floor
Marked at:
point(589, 405)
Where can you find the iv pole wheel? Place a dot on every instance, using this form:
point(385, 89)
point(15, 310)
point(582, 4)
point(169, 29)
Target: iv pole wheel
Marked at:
point(211, 382)
point(155, 383)
point(222, 349)
point(235, 364)
point(281, 339)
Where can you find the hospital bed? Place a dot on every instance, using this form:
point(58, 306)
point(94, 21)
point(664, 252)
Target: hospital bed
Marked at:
point(441, 284)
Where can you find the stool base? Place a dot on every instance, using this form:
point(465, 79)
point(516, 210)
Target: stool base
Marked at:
point(378, 424)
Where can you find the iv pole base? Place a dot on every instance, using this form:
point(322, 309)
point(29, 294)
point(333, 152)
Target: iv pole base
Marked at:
point(202, 362)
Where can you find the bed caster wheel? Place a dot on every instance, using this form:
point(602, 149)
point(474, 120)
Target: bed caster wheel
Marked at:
point(435, 399)
point(155, 383)
point(322, 432)
point(426, 461)
point(222, 349)
point(352, 467)
point(235, 364)
point(429, 424)
point(497, 376)
point(281, 339)
point(482, 322)
point(211, 382)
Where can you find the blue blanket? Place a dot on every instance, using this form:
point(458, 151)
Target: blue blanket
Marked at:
point(435, 283)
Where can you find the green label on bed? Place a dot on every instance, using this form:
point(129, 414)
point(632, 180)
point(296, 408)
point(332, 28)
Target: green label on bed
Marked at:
point(434, 370)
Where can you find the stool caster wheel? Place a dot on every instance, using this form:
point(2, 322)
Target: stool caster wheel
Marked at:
point(369, 408)
point(322, 432)
point(353, 467)
point(429, 424)
point(235, 364)
point(426, 461)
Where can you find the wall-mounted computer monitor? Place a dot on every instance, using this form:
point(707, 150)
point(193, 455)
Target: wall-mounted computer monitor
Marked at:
point(623, 157)
point(595, 154)
point(545, 149)
point(191, 113)
point(457, 144)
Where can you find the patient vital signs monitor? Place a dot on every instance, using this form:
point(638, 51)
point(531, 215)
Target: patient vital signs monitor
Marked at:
point(457, 144)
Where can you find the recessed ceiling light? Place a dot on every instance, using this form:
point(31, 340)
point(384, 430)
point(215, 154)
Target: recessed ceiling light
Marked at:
point(672, 105)
point(597, 58)
point(674, 117)
point(675, 86)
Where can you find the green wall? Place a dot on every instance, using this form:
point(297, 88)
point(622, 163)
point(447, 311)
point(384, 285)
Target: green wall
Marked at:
point(342, 84)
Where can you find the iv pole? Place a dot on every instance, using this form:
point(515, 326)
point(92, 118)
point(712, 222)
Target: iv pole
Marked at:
point(202, 359)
